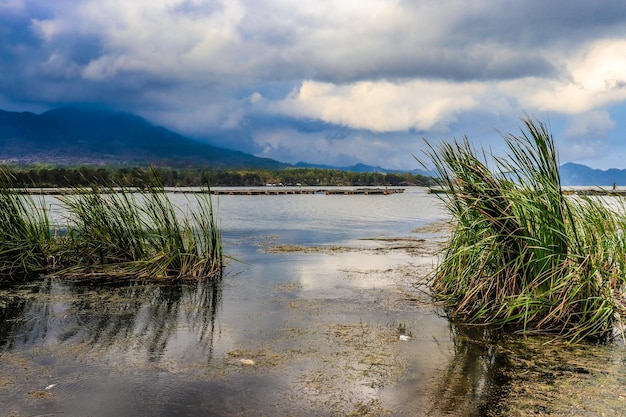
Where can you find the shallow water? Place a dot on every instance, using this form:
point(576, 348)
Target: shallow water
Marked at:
point(311, 332)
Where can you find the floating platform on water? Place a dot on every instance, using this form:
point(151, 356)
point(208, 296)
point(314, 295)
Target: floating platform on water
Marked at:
point(613, 192)
point(229, 191)
point(325, 191)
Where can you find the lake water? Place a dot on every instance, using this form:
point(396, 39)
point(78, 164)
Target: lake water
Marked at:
point(323, 311)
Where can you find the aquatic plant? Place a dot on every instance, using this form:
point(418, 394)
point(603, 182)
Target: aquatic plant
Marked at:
point(181, 244)
point(522, 254)
point(121, 232)
point(104, 229)
point(25, 236)
point(110, 232)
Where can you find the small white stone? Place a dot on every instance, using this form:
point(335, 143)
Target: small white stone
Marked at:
point(405, 338)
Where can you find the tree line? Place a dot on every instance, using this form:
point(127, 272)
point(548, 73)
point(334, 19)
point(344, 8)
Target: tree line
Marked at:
point(172, 177)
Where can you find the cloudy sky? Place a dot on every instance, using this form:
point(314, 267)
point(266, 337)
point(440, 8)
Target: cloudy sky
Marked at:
point(329, 81)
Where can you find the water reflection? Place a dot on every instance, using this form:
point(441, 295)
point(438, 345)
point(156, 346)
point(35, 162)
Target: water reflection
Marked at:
point(12, 308)
point(474, 381)
point(132, 317)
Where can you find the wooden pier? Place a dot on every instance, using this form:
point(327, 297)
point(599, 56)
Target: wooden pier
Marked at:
point(223, 191)
point(324, 191)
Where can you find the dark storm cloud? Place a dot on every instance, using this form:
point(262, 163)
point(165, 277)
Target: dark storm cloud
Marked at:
point(288, 77)
point(471, 41)
point(498, 40)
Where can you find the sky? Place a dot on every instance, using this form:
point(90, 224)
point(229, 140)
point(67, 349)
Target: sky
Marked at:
point(329, 81)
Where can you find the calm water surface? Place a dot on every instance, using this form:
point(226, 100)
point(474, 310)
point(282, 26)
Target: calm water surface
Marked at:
point(313, 331)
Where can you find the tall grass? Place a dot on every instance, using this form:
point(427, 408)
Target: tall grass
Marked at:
point(183, 244)
point(25, 236)
point(111, 233)
point(119, 232)
point(523, 255)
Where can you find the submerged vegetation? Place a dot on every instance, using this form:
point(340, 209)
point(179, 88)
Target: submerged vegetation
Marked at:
point(112, 232)
point(522, 255)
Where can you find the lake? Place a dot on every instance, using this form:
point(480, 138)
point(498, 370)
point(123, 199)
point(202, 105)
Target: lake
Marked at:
point(323, 310)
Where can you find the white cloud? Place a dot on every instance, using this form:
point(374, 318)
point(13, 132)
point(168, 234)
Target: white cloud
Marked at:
point(151, 37)
point(382, 106)
point(595, 124)
point(593, 77)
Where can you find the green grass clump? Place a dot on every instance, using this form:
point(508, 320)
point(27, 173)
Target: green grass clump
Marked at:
point(25, 236)
point(111, 233)
point(120, 232)
point(523, 255)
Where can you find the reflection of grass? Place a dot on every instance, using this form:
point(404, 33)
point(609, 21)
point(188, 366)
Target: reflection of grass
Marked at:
point(127, 316)
point(521, 253)
point(494, 374)
point(560, 380)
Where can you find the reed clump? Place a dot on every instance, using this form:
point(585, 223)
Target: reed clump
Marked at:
point(111, 233)
point(25, 236)
point(522, 255)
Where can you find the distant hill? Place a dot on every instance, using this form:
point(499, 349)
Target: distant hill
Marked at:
point(576, 174)
point(361, 168)
point(70, 136)
point(351, 168)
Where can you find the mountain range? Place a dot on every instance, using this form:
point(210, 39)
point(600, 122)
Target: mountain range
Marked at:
point(577, 174)
point(71, 136)
point(76, 136)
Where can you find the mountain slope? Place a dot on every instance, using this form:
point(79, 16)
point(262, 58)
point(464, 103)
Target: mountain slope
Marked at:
point(576, 174)
point(81, 136)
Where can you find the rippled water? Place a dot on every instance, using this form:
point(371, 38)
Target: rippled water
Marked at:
point(305, 333)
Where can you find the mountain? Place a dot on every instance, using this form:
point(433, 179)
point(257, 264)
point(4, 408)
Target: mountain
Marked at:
point(576, 174)
point(71, 136)
point(352, 168)
point(361, 168)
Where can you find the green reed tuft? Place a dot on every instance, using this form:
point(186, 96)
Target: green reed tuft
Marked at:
point(25, 236)
point(522, 254)
point(111, 232)
point(122, 232)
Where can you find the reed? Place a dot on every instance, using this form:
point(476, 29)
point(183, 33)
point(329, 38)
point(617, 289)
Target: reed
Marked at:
point(119, 232)
point(105, 230)
point(25, 235)
point(185, 245)
point(112, 232)
point(522, 255)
